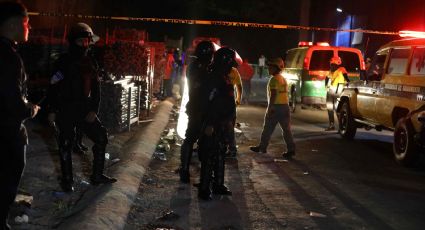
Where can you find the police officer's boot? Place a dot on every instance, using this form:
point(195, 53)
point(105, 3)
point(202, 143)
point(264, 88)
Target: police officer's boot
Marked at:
point(207, 163)
point(98, 166)
point(218, 184)
point(185, 157)
point(204, 190)
point(67, 179)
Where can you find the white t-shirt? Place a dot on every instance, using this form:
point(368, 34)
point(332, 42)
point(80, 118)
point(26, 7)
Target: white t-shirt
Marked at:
point(262, 61)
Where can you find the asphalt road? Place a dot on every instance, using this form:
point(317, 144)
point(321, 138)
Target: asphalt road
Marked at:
point(331, 184)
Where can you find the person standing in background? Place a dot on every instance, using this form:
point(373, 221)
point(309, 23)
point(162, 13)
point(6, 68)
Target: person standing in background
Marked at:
point(334, 83)
point(261, 64)
point(277, 110)
point(246, 72)
point(14, 29)
point(167, 80)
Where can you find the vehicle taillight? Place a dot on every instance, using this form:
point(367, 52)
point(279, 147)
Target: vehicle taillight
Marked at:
point(306, 63)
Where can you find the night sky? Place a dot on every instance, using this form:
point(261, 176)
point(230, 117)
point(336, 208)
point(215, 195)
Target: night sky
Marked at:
point(388, 15)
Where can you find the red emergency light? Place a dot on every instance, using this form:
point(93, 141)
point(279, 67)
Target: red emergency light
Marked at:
point(301, 44)
point(322, 44)
point(305, 44)
point(411, 34)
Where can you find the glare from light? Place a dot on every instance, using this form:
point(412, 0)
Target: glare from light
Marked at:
point(318, 84)
point(339, 10)
point(412, 34)
point(183, 119)
point(290, 77)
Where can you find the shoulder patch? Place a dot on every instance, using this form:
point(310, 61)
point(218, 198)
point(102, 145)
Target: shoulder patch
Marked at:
point(57, 77)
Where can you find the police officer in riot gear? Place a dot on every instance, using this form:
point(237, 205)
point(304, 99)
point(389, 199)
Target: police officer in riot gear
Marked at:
point(75, 98)
point(196, 77)
point(14, 29)
point(218, 122)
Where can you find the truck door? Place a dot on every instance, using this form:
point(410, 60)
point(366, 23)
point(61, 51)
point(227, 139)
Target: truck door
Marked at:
point(371, 89)
point(395, 75)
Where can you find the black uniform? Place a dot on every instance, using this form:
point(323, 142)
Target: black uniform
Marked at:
point(220, 114)
point(75, 91)
point(13, 136)
point(196, 76)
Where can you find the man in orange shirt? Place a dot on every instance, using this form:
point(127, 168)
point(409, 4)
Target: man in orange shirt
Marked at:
point(246, 72)
point(166, 81)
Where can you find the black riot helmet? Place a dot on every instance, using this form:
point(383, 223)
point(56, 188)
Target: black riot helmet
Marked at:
point(81, 30)
point(226, 57)
point(204, 50)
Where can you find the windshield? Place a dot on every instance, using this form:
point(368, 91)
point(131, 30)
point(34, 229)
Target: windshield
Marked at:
point(350, 61)
point(320, 59)
point(295, 58)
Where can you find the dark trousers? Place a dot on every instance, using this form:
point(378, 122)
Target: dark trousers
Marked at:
point(281, 116)
point(193, 131)
point(230, 138)
point(168, 87)
point(330, 105)
point(67, 124)
point(213, 149)
point(246, 90)
point(11, 167)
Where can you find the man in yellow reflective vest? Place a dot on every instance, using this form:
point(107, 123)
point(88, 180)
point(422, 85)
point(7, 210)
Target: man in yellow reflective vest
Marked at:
point(335, 82)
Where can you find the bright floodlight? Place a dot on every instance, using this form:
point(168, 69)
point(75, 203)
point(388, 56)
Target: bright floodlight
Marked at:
point(183, 119)
point(339, 10)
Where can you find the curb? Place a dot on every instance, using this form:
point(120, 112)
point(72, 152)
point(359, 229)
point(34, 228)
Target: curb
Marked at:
point(110, 209)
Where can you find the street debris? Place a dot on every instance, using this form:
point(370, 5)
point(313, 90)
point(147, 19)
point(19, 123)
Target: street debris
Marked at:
point(159, 155)
point(163, 147)
point(238, 132)
point(168, 215)
point(280, 160)
point(306, 173)
point(170, 136)
point(24, 199)
point(21, 219)
point(317, 214)
point(84, 183)
point(107, 155)
point(115, 160)
point(148, 180)
point(333, 209)
point(242, 125)
point(315, 150)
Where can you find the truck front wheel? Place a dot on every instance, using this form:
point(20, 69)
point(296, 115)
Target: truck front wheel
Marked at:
point(404, 148)
point(346, 125)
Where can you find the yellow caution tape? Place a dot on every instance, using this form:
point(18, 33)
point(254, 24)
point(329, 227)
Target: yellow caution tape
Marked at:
point(213, 23)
